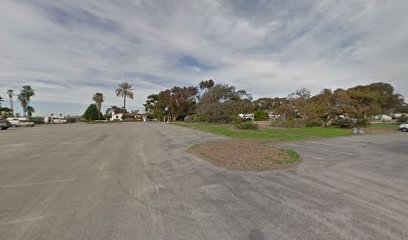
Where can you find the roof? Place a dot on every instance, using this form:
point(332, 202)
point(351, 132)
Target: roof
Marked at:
point(132, 114)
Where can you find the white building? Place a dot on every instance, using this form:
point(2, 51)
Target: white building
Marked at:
point(128, 116)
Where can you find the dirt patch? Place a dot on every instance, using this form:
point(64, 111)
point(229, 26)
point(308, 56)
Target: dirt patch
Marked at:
point(244, 155)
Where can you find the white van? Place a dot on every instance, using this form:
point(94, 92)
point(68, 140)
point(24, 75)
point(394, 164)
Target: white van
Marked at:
point(54, 120)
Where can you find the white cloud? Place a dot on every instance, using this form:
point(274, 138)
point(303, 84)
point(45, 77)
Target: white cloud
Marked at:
point(68, 50)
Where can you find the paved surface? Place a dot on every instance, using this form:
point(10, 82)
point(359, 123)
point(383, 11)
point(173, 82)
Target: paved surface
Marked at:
point(135, 181)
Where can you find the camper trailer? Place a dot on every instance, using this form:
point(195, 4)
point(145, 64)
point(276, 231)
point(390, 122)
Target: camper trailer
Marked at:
point(15, 120)
point(54, 120)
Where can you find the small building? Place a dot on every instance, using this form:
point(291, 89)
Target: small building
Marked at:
point(128, 116)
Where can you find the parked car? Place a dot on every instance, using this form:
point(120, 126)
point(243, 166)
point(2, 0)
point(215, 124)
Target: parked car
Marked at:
point(24, 123)
point(4, 124)
point(404, 127)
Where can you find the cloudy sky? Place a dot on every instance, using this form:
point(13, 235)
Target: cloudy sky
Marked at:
point(68, 50)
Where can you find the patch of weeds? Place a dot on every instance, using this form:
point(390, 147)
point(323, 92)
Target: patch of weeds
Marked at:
point(294, 157)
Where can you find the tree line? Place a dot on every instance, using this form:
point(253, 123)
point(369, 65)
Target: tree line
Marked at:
point(24, 97)
point(222, 103)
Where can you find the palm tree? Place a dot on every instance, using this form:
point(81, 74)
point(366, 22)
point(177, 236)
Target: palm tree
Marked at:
point(25, 96)
point(10, 94)
point(124, 90)
point(98, 98)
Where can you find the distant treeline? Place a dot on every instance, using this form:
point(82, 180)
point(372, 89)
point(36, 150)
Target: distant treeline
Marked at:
point(212, 102)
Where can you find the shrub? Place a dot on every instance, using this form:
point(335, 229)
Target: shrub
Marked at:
point(247, 126)
point(194, 118)
point(362, 123)
point(239, 120)
point(312, 123)
point(344, 123)
point(289, 123)
point(260, 115)
point(37, 120)
point(403, 119)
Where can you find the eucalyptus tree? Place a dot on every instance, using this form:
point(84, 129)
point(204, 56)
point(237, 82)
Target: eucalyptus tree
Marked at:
point(124, 90)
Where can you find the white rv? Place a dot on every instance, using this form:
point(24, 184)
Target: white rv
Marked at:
point(15, 120)
point(54, 120)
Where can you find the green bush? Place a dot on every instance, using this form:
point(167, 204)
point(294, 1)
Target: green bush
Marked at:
point(238, 120)
point(312, 123)
point(247, 126)
point(260, 115)
point(403, 119)
point(37, 120)
point(344, 123)
point(194, 118)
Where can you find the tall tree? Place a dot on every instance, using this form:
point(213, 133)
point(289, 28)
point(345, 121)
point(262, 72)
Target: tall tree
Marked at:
point(124, 90)
point(10, 93)
point(25, 97)
point(98, 99)
point(1, 100)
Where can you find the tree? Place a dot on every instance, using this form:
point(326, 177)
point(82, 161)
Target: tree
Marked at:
point(222, 103)
point(1, 100)
point(91, 113)
point(25, 97)
point(113, 109)
point(298, 101)
point(98, 99)
point(5, 112)
point(151, 107)
point(270, 104)
point(10, 93)
point(124, 90)
point(30, 111)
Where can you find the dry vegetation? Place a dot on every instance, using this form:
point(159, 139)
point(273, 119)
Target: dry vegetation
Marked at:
point(246, 155)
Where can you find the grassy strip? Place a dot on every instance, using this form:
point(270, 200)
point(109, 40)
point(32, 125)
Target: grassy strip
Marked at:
point(272, 133)
point(384, 125)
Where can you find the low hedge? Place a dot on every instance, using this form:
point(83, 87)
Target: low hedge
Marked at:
point(247, 126)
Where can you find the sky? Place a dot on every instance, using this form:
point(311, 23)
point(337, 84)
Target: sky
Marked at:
point(69, 50)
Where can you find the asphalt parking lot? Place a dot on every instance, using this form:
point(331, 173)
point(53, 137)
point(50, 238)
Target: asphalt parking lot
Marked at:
point(136, 181)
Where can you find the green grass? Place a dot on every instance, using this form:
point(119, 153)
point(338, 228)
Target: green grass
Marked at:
point(294, 156)
point(272, 133)
point(384, 125)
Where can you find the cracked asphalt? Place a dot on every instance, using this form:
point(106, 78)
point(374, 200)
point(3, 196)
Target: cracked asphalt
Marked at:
point(136, 181)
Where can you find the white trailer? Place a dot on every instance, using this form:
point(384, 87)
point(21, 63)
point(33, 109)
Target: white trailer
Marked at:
point(54, 120)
